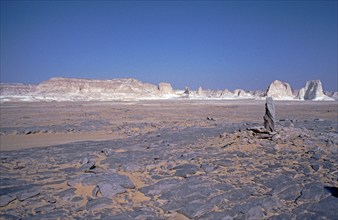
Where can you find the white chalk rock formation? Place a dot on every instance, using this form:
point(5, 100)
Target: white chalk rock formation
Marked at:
point(279, 90)
point(313, 90)
point(199, 91)
point(89, 89)
point(12, 89)
point(240, 93)
point(165, 88)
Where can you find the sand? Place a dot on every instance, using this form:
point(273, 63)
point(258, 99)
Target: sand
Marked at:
point(65, 122)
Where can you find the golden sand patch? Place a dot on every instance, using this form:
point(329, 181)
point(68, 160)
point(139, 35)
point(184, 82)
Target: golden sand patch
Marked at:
point(134, 177)
point(139, 197)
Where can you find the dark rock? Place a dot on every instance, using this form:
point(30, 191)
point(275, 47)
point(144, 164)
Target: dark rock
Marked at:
point(49, 199)
point(223, 186)
point(224, 163)
point(312, 192)
point(315, 167)
point(88, 166)
point(186, 169)
point(8, 217)
point(59, 214)
point(110, 189)
point(326, 207)
point(332, 190)
point(98, 203)
point(269, 117)
point(195, 209)
point(78, 179)
point(255, 213)
point(26, 195)
point(239, 194)
point(5, 200)
point(115, 178)
point(67, 194)
point(283, 216)
point(77, 199)
point(161, 187)
point(290, 193)
point(223, 215)
point(44, 209)
point(277, 181)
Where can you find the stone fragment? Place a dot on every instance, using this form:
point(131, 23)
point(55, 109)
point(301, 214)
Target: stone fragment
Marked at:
point(98, 203)
point(26, 195)
point(5, 200)
point(315, 166)
point(186, 169)
point(291, 193)
point(269, 117)
point(67, 193)
point(44, 209)
point(110, 189)
point(255, 213)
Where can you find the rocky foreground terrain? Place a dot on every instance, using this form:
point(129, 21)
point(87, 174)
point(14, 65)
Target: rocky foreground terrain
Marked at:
point(171, 160)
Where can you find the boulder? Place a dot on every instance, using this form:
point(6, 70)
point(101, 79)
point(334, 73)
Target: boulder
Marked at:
point(279, 90)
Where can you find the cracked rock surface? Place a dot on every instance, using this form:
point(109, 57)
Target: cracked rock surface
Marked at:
point(222, 171)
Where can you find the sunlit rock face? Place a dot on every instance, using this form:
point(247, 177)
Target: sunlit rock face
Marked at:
point(165, 88)
point(313, 90)
point(279, 90)
point(68, 85)
point(241, 93)
point(97, 89)
point(200, 91)
point(7, 89)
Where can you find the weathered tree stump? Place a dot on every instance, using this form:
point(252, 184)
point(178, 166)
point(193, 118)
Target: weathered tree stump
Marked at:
point(269, 117)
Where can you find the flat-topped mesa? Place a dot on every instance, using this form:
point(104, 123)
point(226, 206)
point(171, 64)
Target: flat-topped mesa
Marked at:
point(279, 90)
point(313, 90)
point(63, 85)
point(269, 117)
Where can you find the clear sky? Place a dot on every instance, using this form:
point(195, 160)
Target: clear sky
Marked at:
point(215, 44)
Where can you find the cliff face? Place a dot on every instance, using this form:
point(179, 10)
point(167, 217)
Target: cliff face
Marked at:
point(91, 87)
point(16, 89)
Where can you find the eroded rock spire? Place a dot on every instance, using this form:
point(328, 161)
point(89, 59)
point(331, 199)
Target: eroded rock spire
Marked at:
point(269, 117)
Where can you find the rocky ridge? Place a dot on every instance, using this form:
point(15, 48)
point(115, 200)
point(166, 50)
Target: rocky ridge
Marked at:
point(68, 89)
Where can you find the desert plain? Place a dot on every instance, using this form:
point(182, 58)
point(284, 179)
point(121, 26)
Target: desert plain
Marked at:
point(168, 159)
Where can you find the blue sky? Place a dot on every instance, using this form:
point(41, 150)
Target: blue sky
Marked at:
point(215, 44)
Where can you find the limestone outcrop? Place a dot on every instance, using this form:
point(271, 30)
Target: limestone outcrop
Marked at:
point(279, 90)
point(200, 91)
point(313, 90)
point(165, 88)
